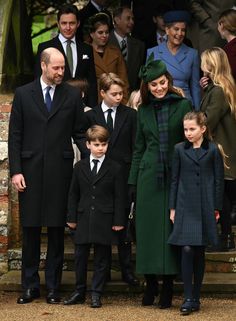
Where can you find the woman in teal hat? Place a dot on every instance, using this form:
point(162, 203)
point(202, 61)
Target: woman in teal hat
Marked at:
point(159, 128)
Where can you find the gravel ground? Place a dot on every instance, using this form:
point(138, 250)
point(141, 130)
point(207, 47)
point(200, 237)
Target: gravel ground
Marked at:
point(115, 308)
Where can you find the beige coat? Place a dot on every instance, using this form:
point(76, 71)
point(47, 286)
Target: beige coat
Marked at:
point(112, 61)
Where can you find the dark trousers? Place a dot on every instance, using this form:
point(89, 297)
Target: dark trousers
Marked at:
point(228, 202)
point(124, 251)
point(101, 264)
point(31, 257)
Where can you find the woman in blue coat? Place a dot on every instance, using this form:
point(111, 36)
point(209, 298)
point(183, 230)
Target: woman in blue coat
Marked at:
point(182, 61)
point(196, 196)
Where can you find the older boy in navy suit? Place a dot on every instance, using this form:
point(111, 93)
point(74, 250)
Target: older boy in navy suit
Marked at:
point(95, 209)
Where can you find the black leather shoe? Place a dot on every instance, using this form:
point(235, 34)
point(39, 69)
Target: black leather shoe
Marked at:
point(150, 293)
point(130, 279)
point(75, 298)
point(195, 305)
point(28, 296)
point(53, 297)
point(186, 307)
point(96, 301)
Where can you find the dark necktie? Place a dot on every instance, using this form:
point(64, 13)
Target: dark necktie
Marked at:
point(109, 120)
point(48, 100)
point(69, 55)
point(124, 49)
point(95, 167)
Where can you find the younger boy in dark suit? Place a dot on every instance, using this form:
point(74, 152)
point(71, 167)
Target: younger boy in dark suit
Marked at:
point(95, 209)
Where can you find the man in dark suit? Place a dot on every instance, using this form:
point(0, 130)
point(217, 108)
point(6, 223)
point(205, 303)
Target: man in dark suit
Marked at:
point(133, 50)
point(79, 62)
point(120, 149)
point(45, 115)
point(92, 7)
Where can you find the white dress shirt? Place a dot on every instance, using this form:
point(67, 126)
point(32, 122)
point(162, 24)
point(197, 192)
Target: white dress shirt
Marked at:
point(100, 161)
point(44, 89)
point(105, 109)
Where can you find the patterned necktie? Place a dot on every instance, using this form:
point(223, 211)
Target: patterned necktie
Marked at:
point(109, 120)
point(95, 166)
point(69, 55)
point(124, 49)
point(48, 99)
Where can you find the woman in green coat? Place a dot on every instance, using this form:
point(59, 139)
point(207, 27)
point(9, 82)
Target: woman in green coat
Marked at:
point(159, 128)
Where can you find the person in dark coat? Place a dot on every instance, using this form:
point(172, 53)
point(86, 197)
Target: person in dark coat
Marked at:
point(45, 115)
point(92, 8)
point(196, 197)
point(79, 60)
point(95, 209)
point(120, 149)
point(159, 129)
point(219, 104)
point(133, 50)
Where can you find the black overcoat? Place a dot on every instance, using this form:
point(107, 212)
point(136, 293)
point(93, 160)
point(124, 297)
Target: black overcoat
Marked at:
point(96, 203)
point(196, 192)
point(40, 148)
point(122, 140)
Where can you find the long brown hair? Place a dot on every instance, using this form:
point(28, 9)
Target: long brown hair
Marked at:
point(144, 91)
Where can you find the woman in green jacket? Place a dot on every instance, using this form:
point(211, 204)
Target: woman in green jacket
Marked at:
point(219, 104)
point(159, 128)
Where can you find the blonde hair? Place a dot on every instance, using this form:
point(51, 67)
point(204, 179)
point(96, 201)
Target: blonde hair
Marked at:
point(109, 79)
point(201, 120)
point(214, 62)
point(228, 20)
point(131, 103)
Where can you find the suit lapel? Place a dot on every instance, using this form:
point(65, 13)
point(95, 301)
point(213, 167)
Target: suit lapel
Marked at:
point(102, 171)
point(196, 157)
point(121, 115)
point(99, 116)
point(173, 60)
point(58, 99)
point(85, 168)
point(37, 95)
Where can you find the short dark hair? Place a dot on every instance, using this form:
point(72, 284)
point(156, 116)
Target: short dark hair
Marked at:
point(69, 8)
point(118, 11)
point(97, 132)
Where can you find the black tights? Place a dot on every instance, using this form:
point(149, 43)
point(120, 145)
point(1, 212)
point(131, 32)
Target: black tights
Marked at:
point(193, 265)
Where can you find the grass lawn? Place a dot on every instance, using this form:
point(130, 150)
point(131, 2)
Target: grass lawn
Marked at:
point(37, 26)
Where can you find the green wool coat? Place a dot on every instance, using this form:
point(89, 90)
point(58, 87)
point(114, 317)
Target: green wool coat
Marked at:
point(153, 226)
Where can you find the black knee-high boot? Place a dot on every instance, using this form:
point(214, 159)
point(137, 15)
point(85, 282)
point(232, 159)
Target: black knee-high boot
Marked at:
point(166, 295)
point(151, 289)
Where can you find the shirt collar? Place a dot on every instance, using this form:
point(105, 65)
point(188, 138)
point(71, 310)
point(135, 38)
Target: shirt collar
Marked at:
point(101, 159)
point(105, 107)
point(44, 85)
point(63, 39)
point(119, 38)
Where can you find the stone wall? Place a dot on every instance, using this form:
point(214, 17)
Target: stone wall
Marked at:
point(5, 199)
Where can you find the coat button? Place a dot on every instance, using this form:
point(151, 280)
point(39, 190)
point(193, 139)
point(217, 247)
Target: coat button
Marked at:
point(94, 186)
point(93, 197)
point(92, 207)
